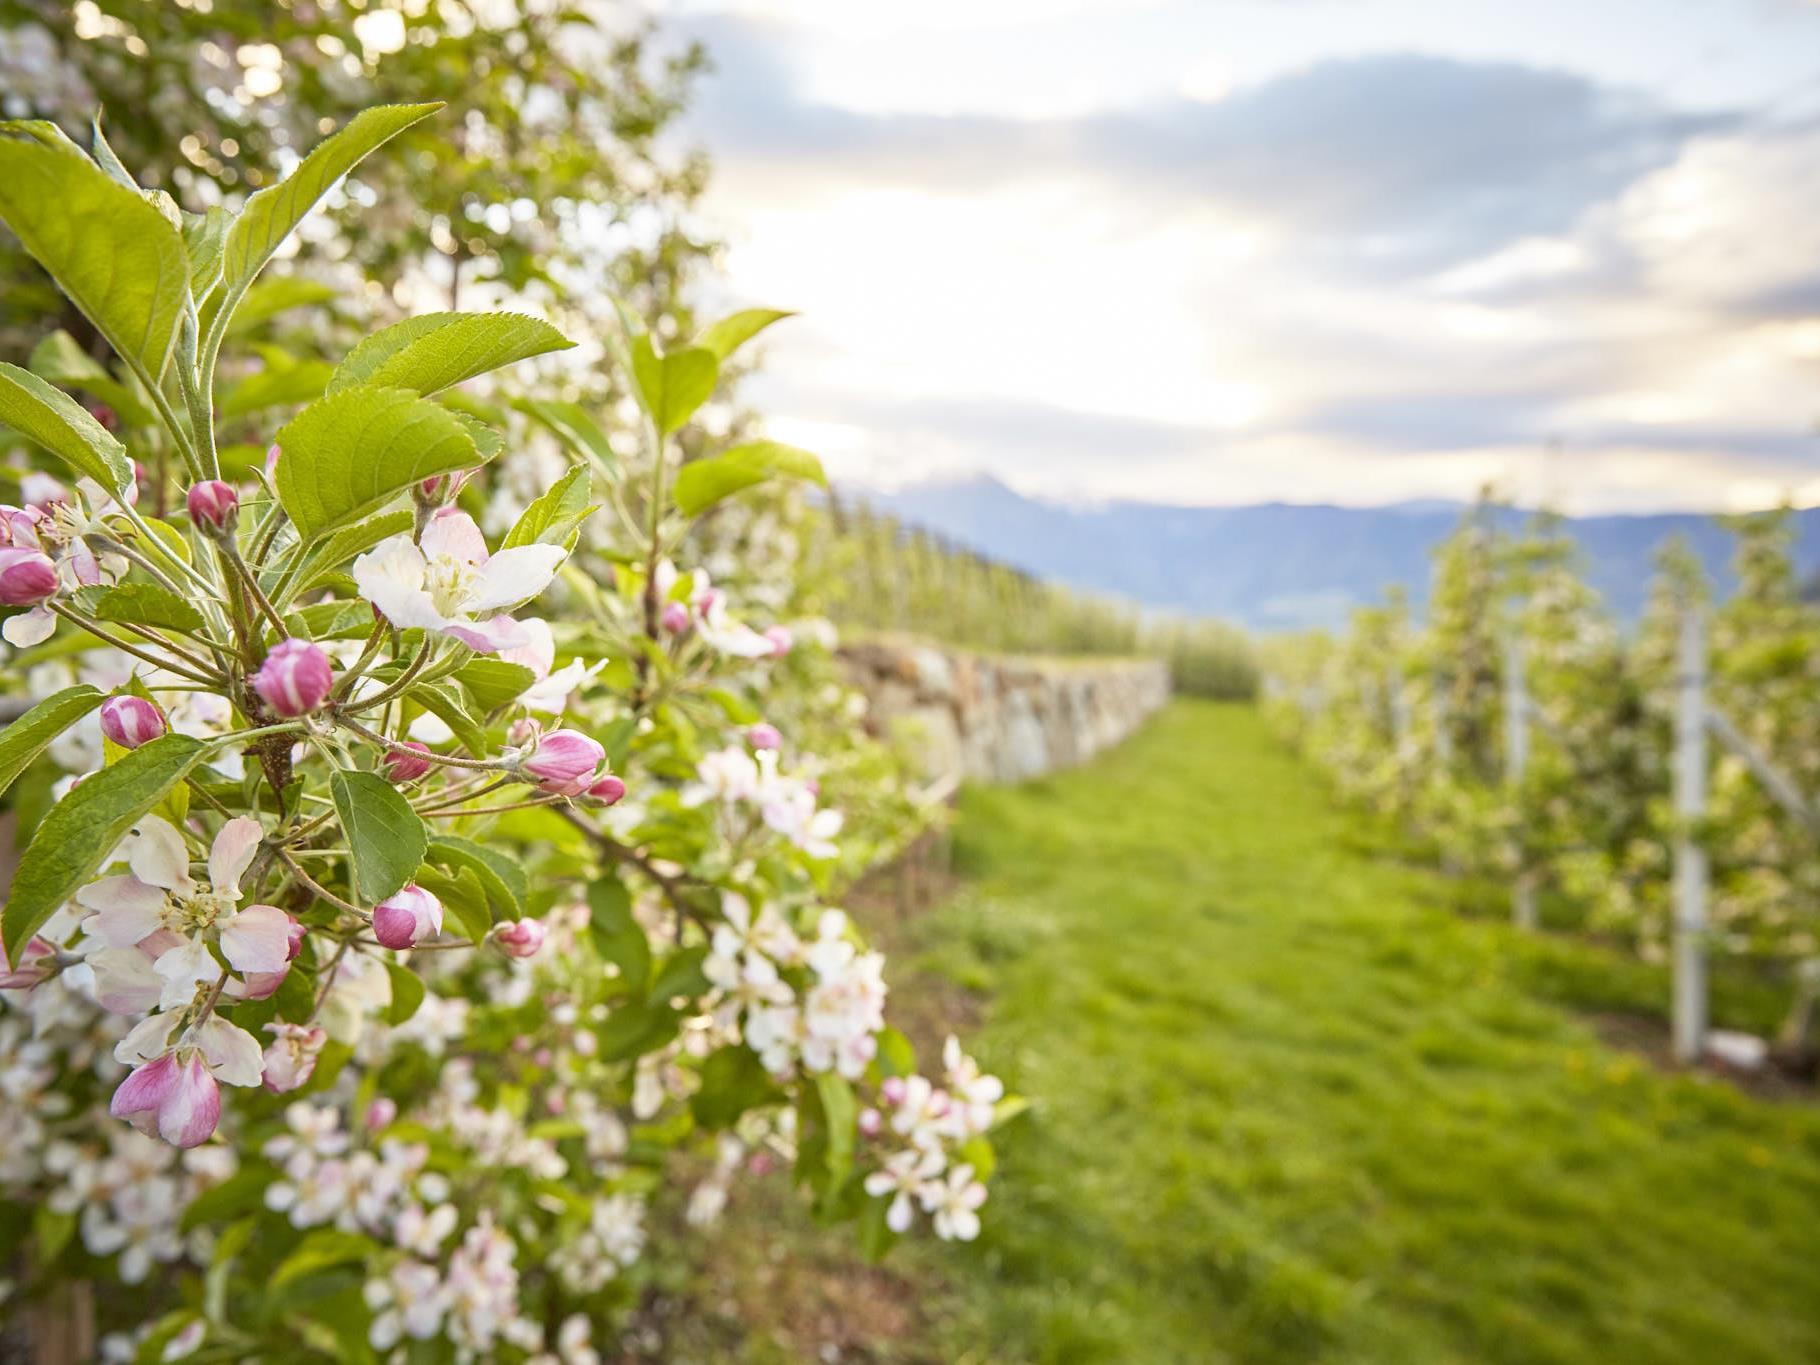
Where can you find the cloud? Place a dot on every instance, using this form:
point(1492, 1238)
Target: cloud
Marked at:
point(1406, 163)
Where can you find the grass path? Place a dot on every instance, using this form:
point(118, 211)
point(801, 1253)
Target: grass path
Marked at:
point(1293, 1107)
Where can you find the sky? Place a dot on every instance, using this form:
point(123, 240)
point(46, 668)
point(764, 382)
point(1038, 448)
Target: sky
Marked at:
point(1236, 251)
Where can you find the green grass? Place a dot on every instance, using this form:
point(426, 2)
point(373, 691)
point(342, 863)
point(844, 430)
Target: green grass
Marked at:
point(1292, 1107)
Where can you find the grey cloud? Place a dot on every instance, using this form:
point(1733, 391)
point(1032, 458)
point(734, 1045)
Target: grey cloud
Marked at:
point(1400, 163)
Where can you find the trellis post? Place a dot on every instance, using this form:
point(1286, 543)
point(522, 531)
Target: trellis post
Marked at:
point(1691, 872)
point(1516, 764)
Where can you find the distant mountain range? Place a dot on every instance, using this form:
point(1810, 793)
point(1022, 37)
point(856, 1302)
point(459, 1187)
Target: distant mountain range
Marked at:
point(1277, 566)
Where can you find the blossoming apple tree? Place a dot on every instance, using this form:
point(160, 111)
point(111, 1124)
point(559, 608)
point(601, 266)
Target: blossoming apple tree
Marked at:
point(410, 897)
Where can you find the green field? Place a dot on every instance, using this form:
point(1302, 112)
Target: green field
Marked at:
point(1292, 1106)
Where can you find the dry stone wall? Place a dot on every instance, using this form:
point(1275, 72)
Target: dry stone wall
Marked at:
point(988, 718)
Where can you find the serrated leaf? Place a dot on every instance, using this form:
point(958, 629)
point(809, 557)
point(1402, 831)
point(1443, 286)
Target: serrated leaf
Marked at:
point(435, 350)
point(110, 250)
point(702, 483)
point(385, 836)
point(32, 733)
point(85, 826)
point(735, 330)
point(349, 453)
point(494, 682)
point(44, 413)
point(502, 877)
point(141, 604)
point(464, 900)
point(407, 992)
point(554, 515)
point(673, 386)
point(274, 212)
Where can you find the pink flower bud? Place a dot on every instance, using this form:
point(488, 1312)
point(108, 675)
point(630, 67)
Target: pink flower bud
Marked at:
point(175, 1100)
point(214, 507)
point(290, 1059)
point(871, 1122)
point(675, 618)
point(27, 577)
point(380, 1112)
point(36, 962)
point(403, 765)
point(782, 641)
point(763, 736)
point(610, 790)
point(564, 763)
point(294, 936)
point(295, 678)
point(131, 721)
point(403, 919)
point(521, 937)
point(893, 1090)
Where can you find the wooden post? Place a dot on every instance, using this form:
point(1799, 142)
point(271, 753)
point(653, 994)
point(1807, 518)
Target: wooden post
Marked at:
point(1516, 764)
point(1690, 853)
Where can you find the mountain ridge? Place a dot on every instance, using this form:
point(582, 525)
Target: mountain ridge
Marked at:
point(1278, 565)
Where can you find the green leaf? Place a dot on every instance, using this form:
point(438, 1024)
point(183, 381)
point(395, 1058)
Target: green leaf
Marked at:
point(446, 704)
point(60, 360)
point(575, 427)
point(49, 416)
point(109, 249)
point(274, 212)
point(733, 1080)
point(51, 1231)
point(433, 351)
point(553, 517)
point(501, 877)
point(634, 1029)
point(240, 1193)
point(385, 836)
point(618, 937)
point(407, 992)
point(268, 298)
point(896, 1055)
point(85, 826)
point(277, 386)
point(681, 975)
point(141, 604)
point(464, 900)
point(322, 1249)
point(205, 238)
point(31, 734)
point(702, 483)
point(494, 682)
point(337, 549)
point(875, 1234)
point(673, 386)
point(735, 330)
point(351, 452)
point(842, 1112)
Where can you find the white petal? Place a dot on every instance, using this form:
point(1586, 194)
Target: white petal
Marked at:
point(33, 628)
point(232, 1054)
point(515, 575)
point(158, 855)
point(390, 576)
point(122, 895)
point(454, 533)
point(232, 851)
point(431, 729)
point(124, 980)
point(183, 969)
point(489, 636)
point(150, 1039)
point(257, 939)
point(538, 653)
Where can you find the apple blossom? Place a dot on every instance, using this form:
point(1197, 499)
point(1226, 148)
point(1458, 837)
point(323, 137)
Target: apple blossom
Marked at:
point(522, 937)
point(131, 721)
point(446, 581)
point(564, 763)
point(290, 1058)
point(609, 790)
point(166, 918)
point(407, 917)
point(675, 618)
point(27, 576)
point(295, 678)
point(763, 736)
point(955, 1200)
point(214, 507)
point(403, 762)
point(782, 641)
point(903, 1176)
